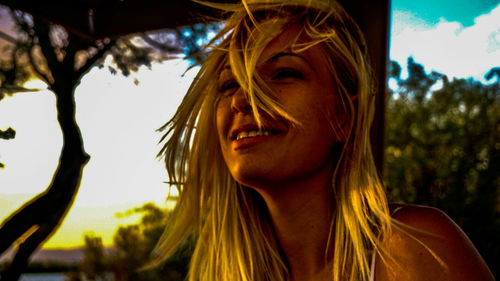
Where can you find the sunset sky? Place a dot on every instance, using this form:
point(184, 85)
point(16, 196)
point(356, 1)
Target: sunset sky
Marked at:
point(118, 119)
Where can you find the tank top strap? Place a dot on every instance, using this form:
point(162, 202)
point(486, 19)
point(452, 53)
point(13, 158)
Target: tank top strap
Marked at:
point(372, 267)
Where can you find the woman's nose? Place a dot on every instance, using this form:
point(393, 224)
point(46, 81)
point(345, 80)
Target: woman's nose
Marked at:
point(239, 102)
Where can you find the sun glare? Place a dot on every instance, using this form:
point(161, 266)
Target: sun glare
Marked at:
point(119, 122)
point(35, 84)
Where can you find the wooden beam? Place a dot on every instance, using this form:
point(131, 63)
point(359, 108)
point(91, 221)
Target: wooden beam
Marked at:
point(99, 19)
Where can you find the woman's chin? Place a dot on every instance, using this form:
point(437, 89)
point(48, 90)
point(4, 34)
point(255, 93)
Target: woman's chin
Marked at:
point(258, 177)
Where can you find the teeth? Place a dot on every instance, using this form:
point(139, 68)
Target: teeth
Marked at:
point(251, 134)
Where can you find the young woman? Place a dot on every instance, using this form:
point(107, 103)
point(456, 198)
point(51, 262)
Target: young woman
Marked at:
point(271, 154)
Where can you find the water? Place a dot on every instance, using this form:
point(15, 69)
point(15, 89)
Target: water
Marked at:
point(58, 277)
point(43, 277)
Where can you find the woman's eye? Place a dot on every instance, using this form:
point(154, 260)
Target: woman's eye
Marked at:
point(229, 85)
point(287, 73)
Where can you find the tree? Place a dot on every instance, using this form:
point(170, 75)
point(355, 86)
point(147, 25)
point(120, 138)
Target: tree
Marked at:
point(94, 264)
point(133, 245)
point(442, 149)
point(61, 59)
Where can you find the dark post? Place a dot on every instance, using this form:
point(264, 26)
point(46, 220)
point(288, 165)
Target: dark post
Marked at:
point(373, 18)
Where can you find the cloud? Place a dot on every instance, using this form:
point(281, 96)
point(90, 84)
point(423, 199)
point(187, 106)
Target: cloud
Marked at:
point(448, 47)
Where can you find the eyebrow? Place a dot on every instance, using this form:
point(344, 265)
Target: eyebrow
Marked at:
point(274, 58)
point(283, 54)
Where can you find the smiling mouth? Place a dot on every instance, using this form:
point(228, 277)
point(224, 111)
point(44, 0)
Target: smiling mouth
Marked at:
point(255, 133)
point(251, 134)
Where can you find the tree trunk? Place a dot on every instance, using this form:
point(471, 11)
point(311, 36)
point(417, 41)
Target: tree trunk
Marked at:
point(42, 215)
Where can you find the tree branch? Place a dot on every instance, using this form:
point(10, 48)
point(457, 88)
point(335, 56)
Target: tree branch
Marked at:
point(7, 37)
point(91, 61)
point(74, 45)
point(9, 90)
point(41, 30)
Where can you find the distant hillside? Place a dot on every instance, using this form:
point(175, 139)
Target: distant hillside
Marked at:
point(72, 256)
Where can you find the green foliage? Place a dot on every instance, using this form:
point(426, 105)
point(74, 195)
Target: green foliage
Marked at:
point(131, 253)
point(442, 149)
point(94, 263)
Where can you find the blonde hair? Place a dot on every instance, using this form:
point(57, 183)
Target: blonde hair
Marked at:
point(235, 237)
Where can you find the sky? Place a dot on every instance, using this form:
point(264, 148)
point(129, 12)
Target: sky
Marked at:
point(457, 38)
point(119, 119)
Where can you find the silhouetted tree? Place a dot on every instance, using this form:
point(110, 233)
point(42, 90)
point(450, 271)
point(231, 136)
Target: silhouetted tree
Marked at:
point(94, 263)
point(61, 59)
point(442, 149)
point(132, 248)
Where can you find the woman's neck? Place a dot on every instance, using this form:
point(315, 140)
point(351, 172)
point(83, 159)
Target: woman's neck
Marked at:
point(301, 213)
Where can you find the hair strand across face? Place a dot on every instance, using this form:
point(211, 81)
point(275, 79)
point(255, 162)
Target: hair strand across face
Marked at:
point(236, 240)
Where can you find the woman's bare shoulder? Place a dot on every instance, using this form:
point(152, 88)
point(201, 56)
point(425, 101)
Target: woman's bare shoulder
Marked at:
point(427, 245)
point(427, 219)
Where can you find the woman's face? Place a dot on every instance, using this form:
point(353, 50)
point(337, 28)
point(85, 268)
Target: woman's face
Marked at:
point(282, 151)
